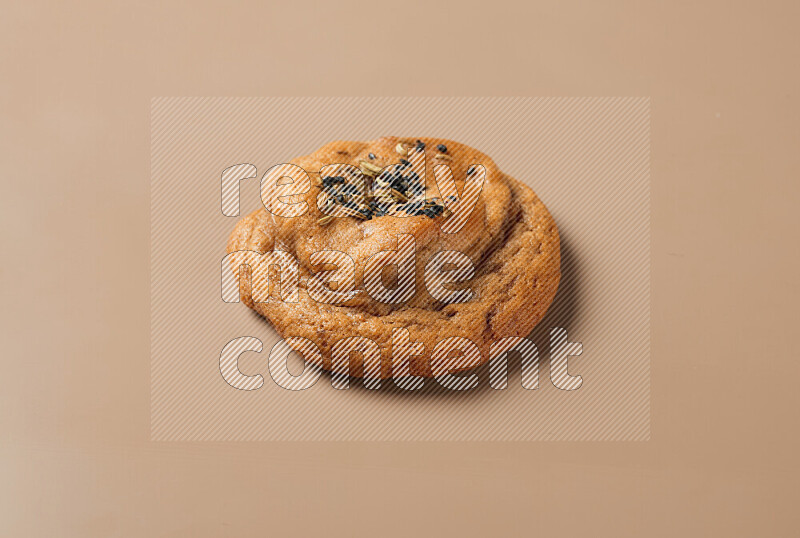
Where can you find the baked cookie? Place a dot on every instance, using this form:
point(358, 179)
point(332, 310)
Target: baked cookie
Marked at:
point(433, 242)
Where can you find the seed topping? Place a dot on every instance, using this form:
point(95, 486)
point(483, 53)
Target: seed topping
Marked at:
point(369, 191)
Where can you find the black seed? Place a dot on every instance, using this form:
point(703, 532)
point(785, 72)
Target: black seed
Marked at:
point(372, 156)
point(405, 162)
point(471, 170)
point(331, 180)
point(442, 148)
point(334, 192)
point(399, 183)
point(452, 198)
point(350, 189)
point(420, 145)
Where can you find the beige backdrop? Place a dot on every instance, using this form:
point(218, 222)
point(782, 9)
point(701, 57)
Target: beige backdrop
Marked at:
point(75, 453)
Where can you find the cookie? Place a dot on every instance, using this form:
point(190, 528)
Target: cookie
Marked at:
point(433, 243)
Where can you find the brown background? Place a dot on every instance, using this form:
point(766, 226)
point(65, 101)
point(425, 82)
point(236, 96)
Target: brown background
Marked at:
point(76, 85)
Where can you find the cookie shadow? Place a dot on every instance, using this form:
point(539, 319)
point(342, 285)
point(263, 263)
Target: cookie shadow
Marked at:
point(562, 313)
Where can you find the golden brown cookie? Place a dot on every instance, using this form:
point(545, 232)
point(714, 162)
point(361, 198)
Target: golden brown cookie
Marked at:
point(385, 190)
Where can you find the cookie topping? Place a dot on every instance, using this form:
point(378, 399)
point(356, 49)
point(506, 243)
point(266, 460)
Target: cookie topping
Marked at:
point(352, 210)
point(332, 180)
point(370, 191)
point(399, 195)
point(369, 169)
